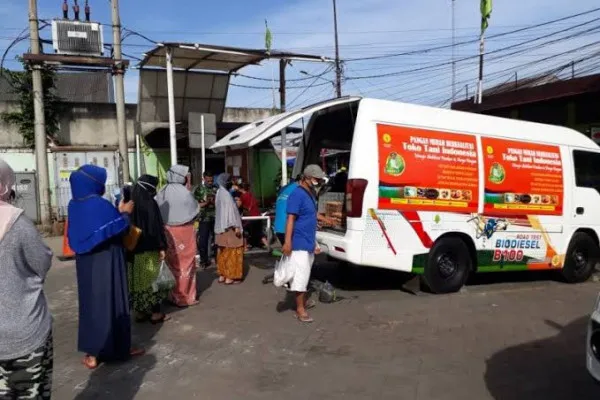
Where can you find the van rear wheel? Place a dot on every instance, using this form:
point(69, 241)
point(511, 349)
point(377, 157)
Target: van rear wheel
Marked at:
point(448, 265)
point(580, 261)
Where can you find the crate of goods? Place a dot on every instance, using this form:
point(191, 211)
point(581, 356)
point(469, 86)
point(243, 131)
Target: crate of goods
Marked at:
point(333, 208)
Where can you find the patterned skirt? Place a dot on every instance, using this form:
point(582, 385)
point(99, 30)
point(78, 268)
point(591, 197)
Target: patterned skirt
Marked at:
point(230, 262)
point(141, 275)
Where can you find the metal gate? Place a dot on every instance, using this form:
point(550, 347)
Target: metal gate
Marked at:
point(26, 194)
point(67, 162)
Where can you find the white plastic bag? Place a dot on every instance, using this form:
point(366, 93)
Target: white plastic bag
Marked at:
point(165, 279)
point(284, 271)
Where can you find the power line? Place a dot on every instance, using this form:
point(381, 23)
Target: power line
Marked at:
point(270, 88)
point(306, 89)
point(490, 52)
point(475, 40)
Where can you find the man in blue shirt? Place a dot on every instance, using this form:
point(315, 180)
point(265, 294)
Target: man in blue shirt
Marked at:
point(300, 245)
point(281, 209)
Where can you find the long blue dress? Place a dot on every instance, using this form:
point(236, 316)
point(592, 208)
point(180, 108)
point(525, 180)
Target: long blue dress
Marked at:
point(95, 233)
point(104, 319)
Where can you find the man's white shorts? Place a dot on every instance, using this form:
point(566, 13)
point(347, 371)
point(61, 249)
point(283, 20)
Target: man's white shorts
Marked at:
point(294, 270)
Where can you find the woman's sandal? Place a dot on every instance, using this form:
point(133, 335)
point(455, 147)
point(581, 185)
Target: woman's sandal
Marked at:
point(160, 320)
point(303, 318)
point(90, 362)
point(136, 352)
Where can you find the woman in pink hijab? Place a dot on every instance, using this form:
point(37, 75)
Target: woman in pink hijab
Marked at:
point(26, 328)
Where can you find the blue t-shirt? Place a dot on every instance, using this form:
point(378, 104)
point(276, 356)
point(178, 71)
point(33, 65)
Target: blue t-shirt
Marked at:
point(302, 204)
point(281, 207)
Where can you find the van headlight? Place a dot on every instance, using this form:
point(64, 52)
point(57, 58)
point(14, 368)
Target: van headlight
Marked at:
point(597, 306)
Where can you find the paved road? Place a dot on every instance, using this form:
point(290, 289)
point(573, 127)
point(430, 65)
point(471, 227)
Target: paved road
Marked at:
point(507, 337)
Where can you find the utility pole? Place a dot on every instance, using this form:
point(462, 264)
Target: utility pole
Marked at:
point(119, 72)
point(282, 65)
point(41, 155)
point(338, 67)
point(453, 50)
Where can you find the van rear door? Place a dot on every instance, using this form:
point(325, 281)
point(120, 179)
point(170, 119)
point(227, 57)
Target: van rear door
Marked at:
point(259, 131)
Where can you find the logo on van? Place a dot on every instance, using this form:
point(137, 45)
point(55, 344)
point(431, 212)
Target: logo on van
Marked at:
point(497, 174)
point(395, 165)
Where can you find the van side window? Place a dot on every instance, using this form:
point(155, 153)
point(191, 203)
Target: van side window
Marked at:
point(587, 169)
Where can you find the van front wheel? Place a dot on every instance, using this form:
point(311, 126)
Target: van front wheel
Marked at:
point(581, 258)
point(448, 265)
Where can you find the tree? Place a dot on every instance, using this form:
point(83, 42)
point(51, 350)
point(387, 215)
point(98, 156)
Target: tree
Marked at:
point(22, 85)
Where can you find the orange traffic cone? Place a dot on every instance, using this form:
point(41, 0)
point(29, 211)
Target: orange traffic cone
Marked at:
point(67, 252)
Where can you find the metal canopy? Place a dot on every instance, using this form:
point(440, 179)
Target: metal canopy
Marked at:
point(194, 56)
point(210, 66)
point(193, 91)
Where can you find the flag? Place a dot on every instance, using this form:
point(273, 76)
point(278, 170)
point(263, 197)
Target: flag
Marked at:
point(268, 38)
point(486, 12)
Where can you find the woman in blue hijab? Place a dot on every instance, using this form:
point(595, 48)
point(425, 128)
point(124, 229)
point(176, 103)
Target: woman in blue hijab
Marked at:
point(95, 232)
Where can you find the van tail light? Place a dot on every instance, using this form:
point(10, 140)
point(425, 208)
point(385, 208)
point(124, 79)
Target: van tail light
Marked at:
point(355, 194)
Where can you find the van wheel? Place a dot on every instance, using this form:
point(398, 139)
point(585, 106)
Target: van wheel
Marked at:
point(448, 265)
point(581, 258)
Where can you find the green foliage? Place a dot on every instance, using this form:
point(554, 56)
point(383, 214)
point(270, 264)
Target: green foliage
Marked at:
point(22, 85)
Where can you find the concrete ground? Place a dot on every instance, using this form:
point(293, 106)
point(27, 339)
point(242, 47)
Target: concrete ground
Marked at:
point(506, 337)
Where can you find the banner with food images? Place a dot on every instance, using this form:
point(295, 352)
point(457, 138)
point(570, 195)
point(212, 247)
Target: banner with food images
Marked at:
point(427, 170)
point(522, 178)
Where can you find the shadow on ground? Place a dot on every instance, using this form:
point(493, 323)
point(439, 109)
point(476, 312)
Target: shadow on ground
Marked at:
point(123, 380)
point(549, 369)
point(353, 278)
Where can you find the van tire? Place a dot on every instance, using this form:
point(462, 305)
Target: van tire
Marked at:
point(448, 265)
point(580, 261)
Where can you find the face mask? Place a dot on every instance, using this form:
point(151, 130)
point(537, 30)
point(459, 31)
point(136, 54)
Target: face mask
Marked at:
point(315, 186)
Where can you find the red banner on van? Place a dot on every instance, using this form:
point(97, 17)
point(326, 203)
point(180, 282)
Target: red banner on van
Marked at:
point(427, 170)
point(522, 178)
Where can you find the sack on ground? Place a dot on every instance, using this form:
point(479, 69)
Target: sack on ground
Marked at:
point(284, 271)
point(165, 279)
point(327, 293)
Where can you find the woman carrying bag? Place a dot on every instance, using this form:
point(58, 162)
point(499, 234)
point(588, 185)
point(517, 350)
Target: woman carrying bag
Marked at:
point(149, 253)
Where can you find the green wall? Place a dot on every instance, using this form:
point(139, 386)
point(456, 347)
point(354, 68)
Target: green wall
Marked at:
point(266, 167)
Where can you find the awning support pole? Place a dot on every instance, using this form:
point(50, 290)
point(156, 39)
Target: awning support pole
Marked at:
point(284, 177)
point(171, 97)
point(203, 146)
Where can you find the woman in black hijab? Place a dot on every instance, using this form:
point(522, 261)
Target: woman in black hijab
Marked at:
point(149, 252)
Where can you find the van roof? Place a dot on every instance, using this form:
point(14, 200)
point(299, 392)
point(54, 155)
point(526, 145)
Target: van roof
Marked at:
point(393, 112)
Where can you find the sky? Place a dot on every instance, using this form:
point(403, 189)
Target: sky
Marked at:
point(367, 28)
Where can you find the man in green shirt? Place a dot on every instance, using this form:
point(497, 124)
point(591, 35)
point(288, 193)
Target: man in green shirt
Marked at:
point(205, 195)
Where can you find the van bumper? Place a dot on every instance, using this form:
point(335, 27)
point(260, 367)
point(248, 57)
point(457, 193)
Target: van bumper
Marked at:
point(339, 246)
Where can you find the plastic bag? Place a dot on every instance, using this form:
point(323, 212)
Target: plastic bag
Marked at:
point(284, 271)
point(165, 279)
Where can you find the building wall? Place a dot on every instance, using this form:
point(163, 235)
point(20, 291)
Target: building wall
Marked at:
point(83, 124)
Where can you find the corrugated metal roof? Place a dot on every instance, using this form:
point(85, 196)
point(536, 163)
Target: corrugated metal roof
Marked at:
point(75, 87)
point(196, 56)
point(533, 94)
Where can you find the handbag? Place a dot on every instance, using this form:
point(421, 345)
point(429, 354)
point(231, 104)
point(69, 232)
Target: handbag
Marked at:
point(131, 239)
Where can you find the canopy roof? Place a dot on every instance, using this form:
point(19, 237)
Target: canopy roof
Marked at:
point(195, 56)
